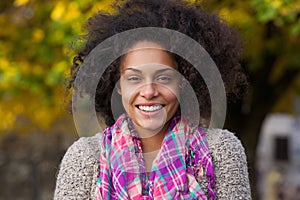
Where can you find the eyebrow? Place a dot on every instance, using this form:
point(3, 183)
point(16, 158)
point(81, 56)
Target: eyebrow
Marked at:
point(156, 72)
point(133, 69)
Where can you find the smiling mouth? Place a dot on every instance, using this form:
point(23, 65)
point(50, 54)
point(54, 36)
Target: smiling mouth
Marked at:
point(151, 108)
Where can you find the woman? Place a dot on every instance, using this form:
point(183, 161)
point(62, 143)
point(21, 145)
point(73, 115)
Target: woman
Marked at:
point(151, 150)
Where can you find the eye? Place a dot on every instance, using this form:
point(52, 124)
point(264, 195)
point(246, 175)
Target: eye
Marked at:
point(133, 78)
point(164, 79)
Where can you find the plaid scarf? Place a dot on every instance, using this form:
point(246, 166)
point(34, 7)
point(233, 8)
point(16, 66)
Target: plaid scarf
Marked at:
point(183, 156)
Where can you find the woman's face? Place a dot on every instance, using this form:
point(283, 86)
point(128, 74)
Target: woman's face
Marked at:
point(149, 87)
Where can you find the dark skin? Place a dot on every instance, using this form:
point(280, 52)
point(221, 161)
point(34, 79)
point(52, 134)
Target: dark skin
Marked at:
point(148, 82)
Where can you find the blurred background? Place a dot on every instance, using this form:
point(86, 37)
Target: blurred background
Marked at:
point(37, 42)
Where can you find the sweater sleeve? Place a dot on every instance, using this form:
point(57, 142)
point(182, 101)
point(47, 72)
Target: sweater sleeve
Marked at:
point(78, 171)
point(230, 165)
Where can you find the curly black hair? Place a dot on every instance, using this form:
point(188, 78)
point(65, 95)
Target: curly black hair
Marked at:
point(221, 42)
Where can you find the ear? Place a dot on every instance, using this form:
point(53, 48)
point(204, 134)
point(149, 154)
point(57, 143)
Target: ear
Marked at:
point(119, 89)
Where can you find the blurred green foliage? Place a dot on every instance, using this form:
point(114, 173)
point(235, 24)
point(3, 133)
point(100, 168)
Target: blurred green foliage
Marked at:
point(36, 41)
point(37, 37)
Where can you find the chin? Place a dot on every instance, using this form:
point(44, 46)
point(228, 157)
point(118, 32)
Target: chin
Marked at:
point(151, 125)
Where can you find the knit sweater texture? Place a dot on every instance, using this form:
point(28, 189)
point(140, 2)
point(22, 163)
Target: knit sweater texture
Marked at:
point(79, 168)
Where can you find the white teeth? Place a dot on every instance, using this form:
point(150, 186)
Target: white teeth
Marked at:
point(150, 108)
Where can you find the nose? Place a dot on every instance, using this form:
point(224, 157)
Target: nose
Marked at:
point(149, 91)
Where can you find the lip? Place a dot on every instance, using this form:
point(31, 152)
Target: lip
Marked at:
point(149, 104)
point(152, 113)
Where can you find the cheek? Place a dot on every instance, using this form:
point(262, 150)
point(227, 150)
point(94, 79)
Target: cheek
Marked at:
point(174, 98)
point(127, 93)
point(125, 99)
point(171, 95)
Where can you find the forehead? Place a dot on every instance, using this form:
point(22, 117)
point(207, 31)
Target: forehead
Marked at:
point(143, 53)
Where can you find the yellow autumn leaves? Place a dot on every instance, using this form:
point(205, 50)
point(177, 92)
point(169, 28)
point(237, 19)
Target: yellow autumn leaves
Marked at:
point(35, 58)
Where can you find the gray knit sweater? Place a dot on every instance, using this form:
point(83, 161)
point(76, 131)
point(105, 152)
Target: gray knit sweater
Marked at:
point(79, 168)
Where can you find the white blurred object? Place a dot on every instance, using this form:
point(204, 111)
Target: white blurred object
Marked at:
point(295, 143)
point(278, 152)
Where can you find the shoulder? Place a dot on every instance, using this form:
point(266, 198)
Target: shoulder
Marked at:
point(78, 170)
point(87, 147)
point(222, 140)
point(226, 149)
point(230, 164)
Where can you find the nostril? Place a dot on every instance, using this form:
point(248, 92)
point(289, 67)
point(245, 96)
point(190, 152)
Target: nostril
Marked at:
point(148, 91)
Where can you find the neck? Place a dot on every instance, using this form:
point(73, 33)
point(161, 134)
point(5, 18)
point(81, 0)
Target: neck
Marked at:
point(152, 143)
point(151, 139)
point(151, 147)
